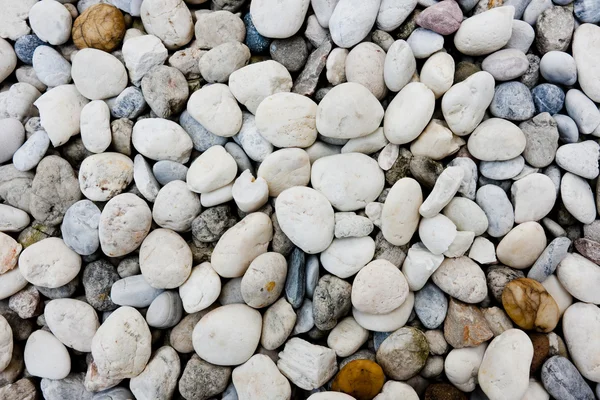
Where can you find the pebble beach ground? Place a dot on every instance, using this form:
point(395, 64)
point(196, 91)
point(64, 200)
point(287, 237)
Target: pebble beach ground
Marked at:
point(299, 199)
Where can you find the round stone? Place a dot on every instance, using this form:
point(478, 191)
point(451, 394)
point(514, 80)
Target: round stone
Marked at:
point(165, 259)
point(238, 322)
point(580, 324)
point(496, 140)
point(400, 215)
point(98, 278)
point(431, 306)
point(548, 98)
point(6, 344)
point(365, 65)
point(161, 139)
point(578, 276)
point(461, 278)
point(49, 263)
point(562, 379)
point(512, 101)
point(403, 354)
point(585, 51)
point(558, 67)
point(213, 169)
point(578, 198)
point(399, 67)
point(50, 67)
point(351, 21)
point(529, 305)
point(506, 65)
point(165, 89)
point(404, 120)
point(215, 107)
point(73, 322)
point(533, 197)
point(165, 311)
point(107, 79)
point(51, 22)
point(46, 357)
point(522, 245)
point(486, 32)
point(284, 169)
point(379, 288)
point(264, 280)
point(103, 176)
point(345, 257)
point(360, 379)
point(102, 27)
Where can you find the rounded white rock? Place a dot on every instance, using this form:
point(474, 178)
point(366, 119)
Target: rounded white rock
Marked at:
point(169, 20)
point(419, 265)
point(466, 215)
point(201, 289)
point(409, 113)
point(462, 366)
point(161, 139)
point(259, 376)
point(176, 206)
point(216, 109)
point(496, 139)
point(212, 170)
point(580, 324)
point(438, 73)
point(264, 280)
point(400, 215)
point(95, 126)
point(522, 246)
point(6, 343)
point(389, 322)
point(250, 193)
point(106, 79)
point(284, 169)
point(462, 279)
point(577, 198)
point(533, 197)
point(276, 19)
point(400, 66)
point(73, 322)
point(49, 263)
point(51, 22)
point(45, 356)
point(345, 257)
point(347, 337)
point(165, 259)
point(105, 175)
point(379, 288)
point(352, 20)
point(365, 65)
point(437, 233)
point(580, 277)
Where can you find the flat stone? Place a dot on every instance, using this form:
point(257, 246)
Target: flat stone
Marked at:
point(580, 322)
point(578, 276)
point(510, 250)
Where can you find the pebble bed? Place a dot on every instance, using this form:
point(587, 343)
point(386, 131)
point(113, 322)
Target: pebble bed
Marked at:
point(299, 199)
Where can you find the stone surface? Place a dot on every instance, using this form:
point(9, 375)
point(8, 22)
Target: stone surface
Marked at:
point(101, 27)
point(530, 306)
point(465, 325)
point(403, 354)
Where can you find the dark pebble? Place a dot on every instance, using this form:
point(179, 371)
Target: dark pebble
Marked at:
point(255, 41)
point(548, 98)
point(295, 283)
point(25, 47)
point(291, 52)
point(98, 278)
point(512, 101)
point(331, 301)
point(563, 381)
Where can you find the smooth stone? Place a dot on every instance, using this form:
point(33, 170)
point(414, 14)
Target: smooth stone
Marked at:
point(522, 36)
point(424, 42)
point(512, 101)
point(295, 283)
point(399, 66)
point(291, 53)
point(392, 288)
point(465, 103)
point(133, 291)
point(548, 98)
point(563, 381)
point(107, 79)
point(419, 265)
point(98, 278)
point(241, 244)
point(351, 225)
point(180, 337)
point(578, 198)
point(583, 111)
point(278, 323)
point(579, 158)
point(393, 389)
point(213, 169)
point(124, 210)
point(10, 250)
point(552, 255)
point(588, 248)
point(96, 133)
point(437, 233)
point(170, 21)
point(304, 318)
point(496, 139)
point(105, 175)
point(535, 9)
point(403, 354)
point(209, 344)
point(345, 257)
point(331, 301)
point(446, 278)
point(336, 66)
point(533, 197)
point(150, 137)
point(386, 322)
point(212, 223)
point(501, 170)
point(274, 20)
point(392, 13)
point(264, 280)
point(258, 373)
point(462, 365)
point(165, 311)
point(25, 46)
point(254, 144)
point(253, 83)
point(121, 346)
point(73, 322)
point(431, 306)
point(347, 337)
point(141, 54)
point(542, 140)
point(12, 219)
point(580, 324)
point(486, 32)
point(178, 218)
point(348, 111)
point(50, 67)
point(558, 292)
point(49, 263)
point(168, 171)
point(443, 18)
point(51, 22)
point(400, 214)
point(170, 267)
point(497, 207)
point(351, 21)
point(529, 305)
point(71, 386)
point(403, 121)
point(6, 344)
point(446, 186)
point(29, 155)
point(284, 169)
point(522, 245)
point(203, 380)
point(130, 103)
point(438, 73)
point(165, 89)
point(202, 139)
point(578, 276)
point(215, 107)
point(506, 359)
point(46, 357)
point(257, 43)
point(558, 67)
point(159, 378)
point(498, 276)
point(506, 65)
point(585, 52)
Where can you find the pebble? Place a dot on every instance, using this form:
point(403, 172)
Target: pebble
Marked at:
point(399, 67)
point(571, 272)
point(278, 323)
point(133, 291)
point(580, 322)
point(348, 224)
point(165, 311)
point(400, 216)
point(533, 197)
point(50, 67)
point(264, 280)
point(579, 158)
point(554, 29)
point(552, 255)
point(292, 52)
point(241, 244)
point(548, 98)
point(419, 265)
point(274, 20)
point(165, 90)
point(446, 278)
point(6, 343)
point(72, 385)
point(141, 54)
point(497, 207)
point(506, 65)
point(51, 22)
point(462, 366)
point(506, 359)
point(403, 121)
point(203, 379)
point(465, 325)
point(124, 210)
point(95, 126)
point(558, 67)
point(510, 250)
point(529, 305)
point(46, 357)
point(171, 22)
point(253, 83)
point(494, 25)
point(403, 354)
point(445, 188)
point(512, 101)
point(130, 103)
point(584, 49)
point(49, 263)
point(431, 306)
point(159, 378)
point(351, 21)
point(13, 134)
point(391, 284)
point(501, 170)
point(258, 373)
point(444, 18)
point(121, 346)
point(98, 277)
point(437, 233)
point(577, 198)
point(169, 268)
point(105, 175)
point(168, 171)
point(73, 322)
point(106, 80)
point(496, 140)
point(562, 380)
point(558, 292)
point(522, 36)
point(178, 218)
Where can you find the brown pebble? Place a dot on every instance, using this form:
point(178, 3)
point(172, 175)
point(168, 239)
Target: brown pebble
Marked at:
point(541, 351)
point(588, 248)
point(362, 379)
point(443, 391)
point(465, 325)
point(101, 27)
point(530, 306)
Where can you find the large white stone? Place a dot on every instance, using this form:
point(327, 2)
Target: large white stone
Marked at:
point(176, 206)
point(264, 280)
point(11, 282)
point(466, 215)
point(284, 169)
point(259, 379)
point(216, 109)
point(241, 244)
point(49, 263)
point(161, 139)
point(46, 357)
point(228, 335)
point(586, 51)
point(400, 66)
point(464, 104)
point(8, 59)
point(437, 142)
point(486, 32)
point(60, 111)
point(169, 20)
point(141, 54)
point(73, 322)
point(409, 113)
point(379, 288)
point(352, 20)
point(201, 289)
point(306, 217)
point(105, 175)
point(51, 22)
point(250, 193)
point(345, 257)
point(348, 111)
point(400, 215)
point(347, 337)
point(95, 126)
point(122, 345)
point(580, 277)
point(165, 259)
point(287, 120)
point(212, 170)
point(437, 233)
point(349, 181)
point(581, 323)
point(365, 65)
point(504, 371)
point(533, 197)
point(392, 13)
point(438, 73)
point(97, 74)
point(496, 139)
point(446, 186)
point(278, 19)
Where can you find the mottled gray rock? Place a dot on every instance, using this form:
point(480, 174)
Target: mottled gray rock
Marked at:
point(159, 379)
point(331, 301)
point(542, 140)
point(431, 306)
point(546, 264)
point(166, 171)
point(513, 101)
point(201, 380)
point(212, 223)
point(280, 243)
point(291, 52)
point(32, 151)
point(26, 303)
point(130, 103)
point(54, 189)
point(498, 276)
point(15, 186)
point(202, 139)
point(165, 89)
point(563, 381)
point(425, 170)
point(554, 29)
point(500, 170)
point(70, 387)
point(497, 207)
point(403, 354)
point(295, 284)
point(80, 227)
point(531, 77)
point(60, 292)
point(98, 279)
point(306, 83)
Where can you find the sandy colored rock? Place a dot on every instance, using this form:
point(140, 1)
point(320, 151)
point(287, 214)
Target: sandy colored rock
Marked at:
point(465, 325)
point(529, 305)
point(101, 27)
point(362, 379)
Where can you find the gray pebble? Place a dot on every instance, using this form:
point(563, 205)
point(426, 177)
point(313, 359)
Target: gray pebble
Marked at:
point(468, 187)
point(231, 292)
point(26, 303)
point(32, 151)
point(295, 283)
point(166, 171)
point(522, 36)
point(116, 393)
point(144, 179)
point(50, 67)
point(563, 381)
point(587, 11)
point(129, 266)
point(498, 209)
point(384, 250)
point(425, 170)
point(535, 9)
point(202, 139)
point(331, 301)
point(531, 77)
point(505, 65)
point(121, 130)
point(558, 67)
point(501, 170)
point(547, 262)
point(542, 140)
point(583, 111)
point(212, 223)
point(291, 52)
point(498, 276)
point(304, 318)
point(519, 5)
point(80, 227)
point(312, 274)
point(165, 89)
point(553, 172)
point(240, 157)
point(307, 81)
point(378, 338)
point(98, 278)
point(554, 29)
point(512, 101)
point(71, 387)
point(130, 103)
point(201, 380)
point(553, 228)
point(133, 291)
point(280, 243)
point(431, 306)
point(165, 311)
point(567, 128)
point(60, 292)
point(223, 60)
point(254, 145)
